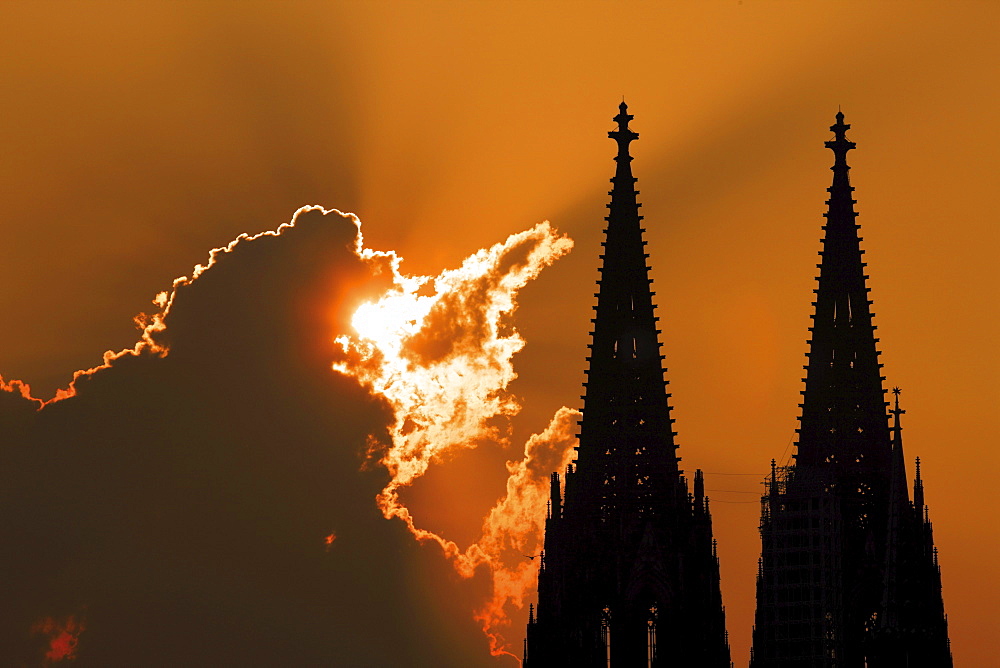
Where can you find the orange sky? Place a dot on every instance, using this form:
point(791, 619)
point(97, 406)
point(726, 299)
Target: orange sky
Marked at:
point(138, 136)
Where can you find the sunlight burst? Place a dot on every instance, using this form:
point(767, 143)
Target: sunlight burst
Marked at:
point(440, 350)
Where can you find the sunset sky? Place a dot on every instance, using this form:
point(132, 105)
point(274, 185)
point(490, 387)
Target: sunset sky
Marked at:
point(137, 137)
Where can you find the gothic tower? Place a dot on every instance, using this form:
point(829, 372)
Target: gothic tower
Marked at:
point(629, 574)
point(848, 574)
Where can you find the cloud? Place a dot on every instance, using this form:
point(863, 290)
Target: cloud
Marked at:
point(513, 530)
point(440, 350)
point(174, 505)
point(443, 360)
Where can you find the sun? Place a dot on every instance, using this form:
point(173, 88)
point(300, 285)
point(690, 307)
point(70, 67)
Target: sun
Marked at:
point(395, 317)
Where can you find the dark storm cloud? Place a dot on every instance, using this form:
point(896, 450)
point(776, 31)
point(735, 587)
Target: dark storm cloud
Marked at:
point(179, 506)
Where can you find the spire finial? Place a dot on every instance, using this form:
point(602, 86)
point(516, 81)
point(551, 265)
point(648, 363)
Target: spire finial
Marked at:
point(896, 411)
point(840, 144)
point(623, 135)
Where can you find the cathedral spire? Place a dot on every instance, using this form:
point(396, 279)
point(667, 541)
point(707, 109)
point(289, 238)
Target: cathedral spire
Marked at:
point(630, 575)
point(911, 628)
point(843, 421)
point(899, 508)
point(898, 476)
point(625, 400)
point(847, 573)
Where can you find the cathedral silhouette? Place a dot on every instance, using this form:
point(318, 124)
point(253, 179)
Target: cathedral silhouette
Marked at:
point(848, 571)
point(629, 574)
